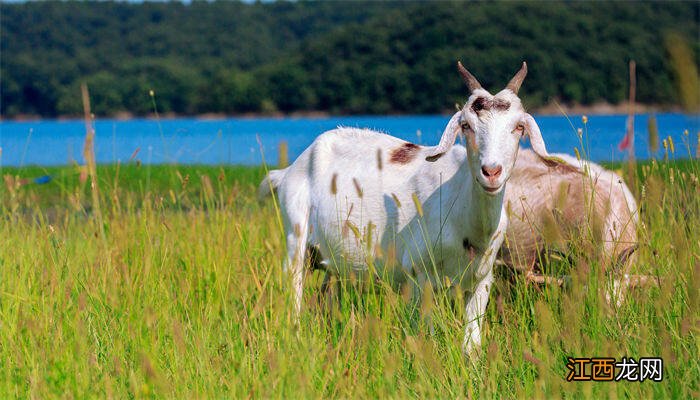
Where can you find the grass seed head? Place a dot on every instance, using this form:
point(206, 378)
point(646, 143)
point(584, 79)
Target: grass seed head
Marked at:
point(358, 188)
point(396, 200)
point(334, 184)
point(417, 203)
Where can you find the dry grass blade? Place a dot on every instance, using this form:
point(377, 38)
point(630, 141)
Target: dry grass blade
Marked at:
point(89, 155)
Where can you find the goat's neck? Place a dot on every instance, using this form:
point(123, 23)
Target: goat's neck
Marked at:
point(485, 220)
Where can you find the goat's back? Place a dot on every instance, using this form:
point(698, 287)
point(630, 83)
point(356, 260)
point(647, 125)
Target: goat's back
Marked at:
point(552, 206)
point(357, 182)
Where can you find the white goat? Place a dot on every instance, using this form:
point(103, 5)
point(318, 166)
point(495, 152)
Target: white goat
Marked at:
point(441, 221)
point(551, 205)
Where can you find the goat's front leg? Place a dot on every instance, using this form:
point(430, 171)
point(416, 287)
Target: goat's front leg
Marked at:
point(476, 307)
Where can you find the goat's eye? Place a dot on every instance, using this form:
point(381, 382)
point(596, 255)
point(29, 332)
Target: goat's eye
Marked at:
point(519, 129)
point(465, 126)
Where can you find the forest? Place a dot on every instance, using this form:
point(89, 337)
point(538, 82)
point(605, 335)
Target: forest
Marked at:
point(337, 57)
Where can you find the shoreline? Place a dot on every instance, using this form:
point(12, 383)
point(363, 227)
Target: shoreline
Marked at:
point(550, 109)
point(50, 169)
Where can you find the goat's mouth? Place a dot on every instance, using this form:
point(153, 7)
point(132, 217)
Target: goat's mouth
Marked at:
point(492, 190)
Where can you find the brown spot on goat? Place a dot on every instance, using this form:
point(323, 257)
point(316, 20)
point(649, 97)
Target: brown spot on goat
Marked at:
point(404, 154)
point(482, 103)
point(500, 105)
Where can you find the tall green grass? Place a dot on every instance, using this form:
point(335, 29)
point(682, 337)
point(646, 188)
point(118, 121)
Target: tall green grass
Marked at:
point(185, 297)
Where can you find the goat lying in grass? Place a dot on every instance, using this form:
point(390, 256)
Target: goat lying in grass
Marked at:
point(372, 204)
point(551, 206)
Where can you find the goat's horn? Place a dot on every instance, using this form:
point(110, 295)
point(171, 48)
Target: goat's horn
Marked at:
point(468, 78)
point(514, 84)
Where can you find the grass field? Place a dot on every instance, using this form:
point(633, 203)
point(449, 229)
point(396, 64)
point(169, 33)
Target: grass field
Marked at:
point(170, 285)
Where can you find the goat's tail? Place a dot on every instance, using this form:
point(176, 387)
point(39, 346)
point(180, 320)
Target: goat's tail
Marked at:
point(270, 183)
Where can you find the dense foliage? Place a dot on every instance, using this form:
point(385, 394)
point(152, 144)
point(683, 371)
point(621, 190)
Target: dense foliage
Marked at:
point(229, 57)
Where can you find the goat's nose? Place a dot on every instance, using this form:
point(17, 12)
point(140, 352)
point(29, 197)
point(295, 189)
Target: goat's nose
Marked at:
point(491, 172)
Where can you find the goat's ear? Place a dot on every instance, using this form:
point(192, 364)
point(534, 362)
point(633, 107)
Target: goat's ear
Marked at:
point(448, 138)
point(533, 131)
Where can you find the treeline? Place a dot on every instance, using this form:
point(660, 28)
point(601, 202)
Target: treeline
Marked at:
point(341, 57)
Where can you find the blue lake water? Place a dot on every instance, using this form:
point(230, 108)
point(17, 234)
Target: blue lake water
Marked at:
point(234, 140)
